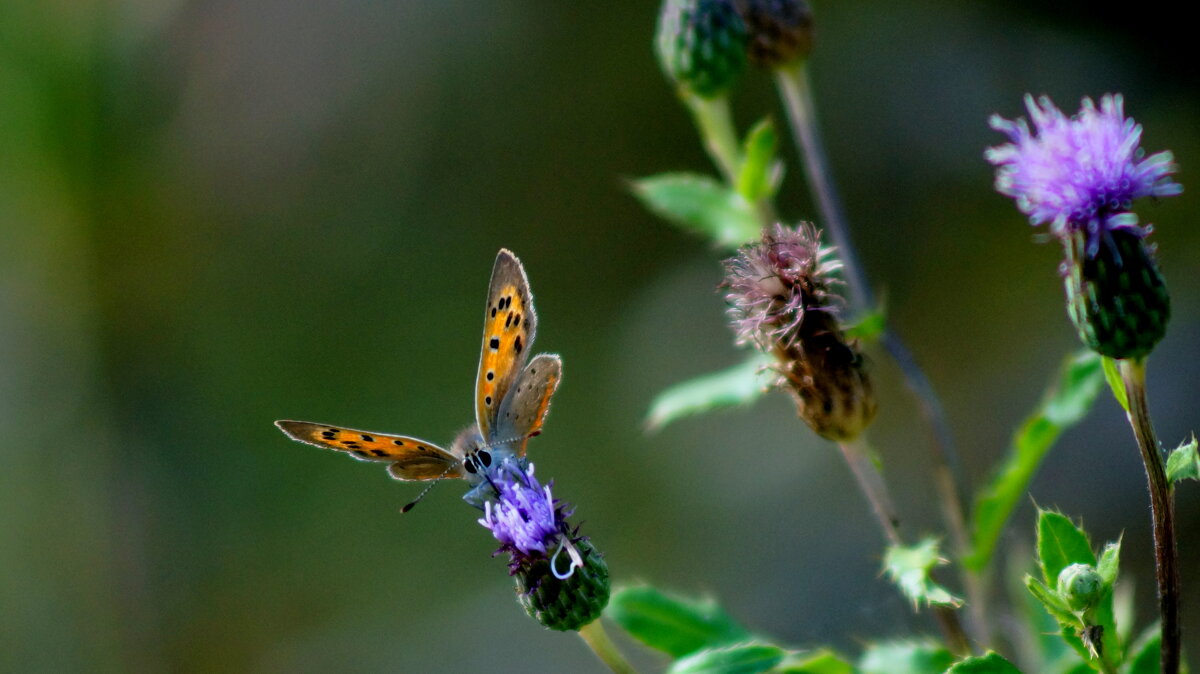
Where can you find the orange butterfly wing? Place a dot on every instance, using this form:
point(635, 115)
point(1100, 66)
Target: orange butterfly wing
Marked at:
point(524, 411)
point(411, 458)
point(509, 326)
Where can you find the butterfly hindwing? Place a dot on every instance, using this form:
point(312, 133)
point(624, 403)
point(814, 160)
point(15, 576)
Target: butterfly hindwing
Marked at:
point(411, 458)
point(524, 410)
point(509, 326)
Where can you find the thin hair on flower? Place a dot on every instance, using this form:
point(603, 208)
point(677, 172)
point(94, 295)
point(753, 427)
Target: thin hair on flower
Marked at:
point(1079, 173)
point(773, 284)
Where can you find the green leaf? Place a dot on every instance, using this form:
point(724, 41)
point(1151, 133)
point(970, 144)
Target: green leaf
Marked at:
point(1146, 652)
point(675, 625)
point(869, 326)
point(1116, 384)
point(700, 204)
point(909, 568)
point(991, 663)
point(758, 176)
point(1065, 404)
point(1053, 604)
point(739, 659)
point(1060, 544)
point(822, 661)
point(1184, 462)
point(738, 385)
point(1109, 563)
point(905, 657)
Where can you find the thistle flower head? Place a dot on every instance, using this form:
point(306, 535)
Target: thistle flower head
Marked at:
point(1080, 173)
point(780, 31)
point(780, 294)
point(772, 285)
point(525, 518)
point(701, 45)
point(562, 580)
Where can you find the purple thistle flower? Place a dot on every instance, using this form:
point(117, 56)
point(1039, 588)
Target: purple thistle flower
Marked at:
point(1080, 173)
point(525, 517)
point(773, 284)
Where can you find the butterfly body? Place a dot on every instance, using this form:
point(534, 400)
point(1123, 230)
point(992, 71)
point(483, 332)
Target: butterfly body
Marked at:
point(512, 399)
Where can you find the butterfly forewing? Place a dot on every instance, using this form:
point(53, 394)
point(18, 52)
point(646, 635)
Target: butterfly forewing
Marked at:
point(411, 458)
point(523, 412)
point(509, 325)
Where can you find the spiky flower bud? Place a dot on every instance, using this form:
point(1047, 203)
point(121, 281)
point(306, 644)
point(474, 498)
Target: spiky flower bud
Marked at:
point(1116, 298)
point(562, 581)
point(781, 299)
point(1081, 586)
point(701, 45)
point(565, 603)
point(1081, 175)
point(780, 31)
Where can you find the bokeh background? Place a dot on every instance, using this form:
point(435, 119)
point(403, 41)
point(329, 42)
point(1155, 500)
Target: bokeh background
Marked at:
point(216, 214)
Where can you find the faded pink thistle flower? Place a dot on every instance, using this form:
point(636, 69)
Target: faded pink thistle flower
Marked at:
point(773, 284)
point(781, 300)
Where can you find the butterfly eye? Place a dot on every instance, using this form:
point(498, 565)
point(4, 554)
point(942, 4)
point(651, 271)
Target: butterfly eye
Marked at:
point(469, 464)
point(485, 456)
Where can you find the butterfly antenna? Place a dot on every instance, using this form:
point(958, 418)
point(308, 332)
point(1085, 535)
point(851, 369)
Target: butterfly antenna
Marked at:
point(411, 504)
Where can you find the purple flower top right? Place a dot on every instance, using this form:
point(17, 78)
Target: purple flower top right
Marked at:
point(1080, 173)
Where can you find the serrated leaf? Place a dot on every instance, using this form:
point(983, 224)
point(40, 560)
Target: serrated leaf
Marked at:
point(737, 659)
point(1112, 373)
point(675, 625)
point(758, 175)
point(738, 385)
point(701, 205)
point(1184, 462)
point(991, 663)
point(1109, 563)
point(1060, 544)
point(1146, 653)
point(1053, 604)
point(905, 657)
point(822, 661)
point(909, 567)
point(1064, 405)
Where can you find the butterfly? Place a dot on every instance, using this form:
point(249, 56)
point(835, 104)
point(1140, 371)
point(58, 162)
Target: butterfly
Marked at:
point(512, 399)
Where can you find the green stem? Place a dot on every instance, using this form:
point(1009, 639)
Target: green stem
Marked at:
point(870, 481)
point(714, 120)
point(796, 91)
point(1162, 508)
point(597, 639)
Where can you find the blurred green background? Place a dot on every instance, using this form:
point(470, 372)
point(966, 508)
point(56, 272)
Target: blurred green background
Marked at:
point(218, 214)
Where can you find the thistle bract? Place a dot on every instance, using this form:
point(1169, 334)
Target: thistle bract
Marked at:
point(781, 299)
point(780, 31)
point(562, 601)
point(1081, 175)
point(701, 45)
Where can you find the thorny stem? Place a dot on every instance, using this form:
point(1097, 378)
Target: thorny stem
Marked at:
point(1162, 508)
point(797, 96)
point(596, 638)
point(870, 481)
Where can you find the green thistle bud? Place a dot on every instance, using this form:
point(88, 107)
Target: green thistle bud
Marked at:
point(1081, 586)
point(570, 603)
point(701, 45)
point(781, 31)
point(1115, 295)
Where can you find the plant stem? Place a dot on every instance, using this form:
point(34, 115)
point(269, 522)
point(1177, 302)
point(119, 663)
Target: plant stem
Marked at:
point(1162, 508)
point(596, 638)
point(870, 481)
point(714, 120)
point(796, 90)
